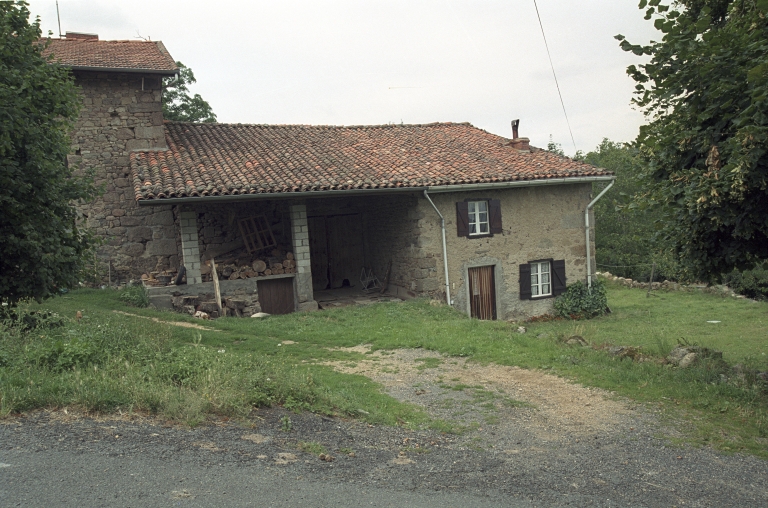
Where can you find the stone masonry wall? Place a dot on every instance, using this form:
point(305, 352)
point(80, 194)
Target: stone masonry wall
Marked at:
point(393, 228)
point(538, 223)
point(118, 117)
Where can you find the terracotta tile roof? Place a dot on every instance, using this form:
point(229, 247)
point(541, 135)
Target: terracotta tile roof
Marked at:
point(130, 56)
point(234, 159)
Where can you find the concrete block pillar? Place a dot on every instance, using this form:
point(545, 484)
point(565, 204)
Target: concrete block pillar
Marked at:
point(300, 238)
point(189, 246)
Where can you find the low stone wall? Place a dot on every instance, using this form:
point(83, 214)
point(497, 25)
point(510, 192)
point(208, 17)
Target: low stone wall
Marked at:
point(241, 296)
point(669, 285)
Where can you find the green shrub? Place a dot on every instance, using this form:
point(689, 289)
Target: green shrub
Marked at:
point(64, 355)
point(24, 320)
point(579, 302)
point(750, 283)
point(136, 296)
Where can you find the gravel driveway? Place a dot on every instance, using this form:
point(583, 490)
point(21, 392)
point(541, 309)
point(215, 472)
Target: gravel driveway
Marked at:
point(533, 440)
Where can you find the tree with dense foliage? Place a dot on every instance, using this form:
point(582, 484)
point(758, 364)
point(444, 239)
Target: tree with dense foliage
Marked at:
point(625, 240)
point(41, 246)
point(178, 105)
point(705, 150)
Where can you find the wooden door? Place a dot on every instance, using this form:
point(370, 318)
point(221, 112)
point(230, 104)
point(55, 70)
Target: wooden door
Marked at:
point(482, 292)
point(318, 253)
point(276, 295)
point(345, 249)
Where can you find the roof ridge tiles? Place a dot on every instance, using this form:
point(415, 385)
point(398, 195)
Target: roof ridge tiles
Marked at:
point(324, 126)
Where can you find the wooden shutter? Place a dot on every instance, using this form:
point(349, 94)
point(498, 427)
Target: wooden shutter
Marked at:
point(462, 218)
point(558, 277)
point(494, 212)
point(525, 282)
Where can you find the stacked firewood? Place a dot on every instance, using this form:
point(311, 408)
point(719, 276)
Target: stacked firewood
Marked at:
point(244, 267)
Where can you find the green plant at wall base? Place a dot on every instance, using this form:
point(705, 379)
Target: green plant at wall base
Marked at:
point(750, 283)
point(581, 302)
point(136, 296)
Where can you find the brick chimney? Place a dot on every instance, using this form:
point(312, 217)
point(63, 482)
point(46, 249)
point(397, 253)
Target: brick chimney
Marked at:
point(518, 143)
point(81, 36)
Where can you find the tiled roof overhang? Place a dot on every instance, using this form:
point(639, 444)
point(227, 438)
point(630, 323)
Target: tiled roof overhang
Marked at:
point(232, 162)
point(145, 57)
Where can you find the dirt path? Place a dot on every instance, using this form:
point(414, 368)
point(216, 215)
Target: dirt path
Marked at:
point(181, 324)
point(508, 400)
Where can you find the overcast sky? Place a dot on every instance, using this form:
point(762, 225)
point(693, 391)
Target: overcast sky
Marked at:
point(370, 62)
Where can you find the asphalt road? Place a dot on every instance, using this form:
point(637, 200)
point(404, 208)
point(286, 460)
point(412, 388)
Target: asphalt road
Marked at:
point(64, 478)
point(45, 461)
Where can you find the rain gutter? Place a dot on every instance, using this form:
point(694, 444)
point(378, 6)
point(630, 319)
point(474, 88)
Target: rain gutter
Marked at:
point(586, 231)
point(445, 250)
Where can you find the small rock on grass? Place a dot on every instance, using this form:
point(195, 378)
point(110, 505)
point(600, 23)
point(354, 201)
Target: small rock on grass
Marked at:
point(576, 340)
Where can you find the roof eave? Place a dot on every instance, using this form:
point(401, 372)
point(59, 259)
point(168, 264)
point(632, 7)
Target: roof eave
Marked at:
point(231, 198)
point(520, 183)
point(128, 70)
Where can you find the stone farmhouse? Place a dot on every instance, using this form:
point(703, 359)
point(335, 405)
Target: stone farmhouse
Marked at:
point(491, 225)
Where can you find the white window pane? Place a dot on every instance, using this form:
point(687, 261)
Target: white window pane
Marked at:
point(483, 217)
point(472, 228)
point(483, 227)
point(545, 278)
point(544, 267)
point(472, 206)
point(482, 206)
point(534, 279)
point(545, 289)
point(534, 290)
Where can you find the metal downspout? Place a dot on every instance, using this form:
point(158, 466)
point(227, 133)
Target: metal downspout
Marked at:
point(445, 250)
point(586, 232)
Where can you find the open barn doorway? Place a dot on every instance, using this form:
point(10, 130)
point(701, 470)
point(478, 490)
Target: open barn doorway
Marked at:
point(336, 250)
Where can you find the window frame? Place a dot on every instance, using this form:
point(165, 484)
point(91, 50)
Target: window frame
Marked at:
point(493, 211)
point(476, 215)
point(539, 263)
point(557, 279)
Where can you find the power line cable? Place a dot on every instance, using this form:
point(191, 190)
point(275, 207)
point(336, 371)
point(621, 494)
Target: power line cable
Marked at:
point(555, 75)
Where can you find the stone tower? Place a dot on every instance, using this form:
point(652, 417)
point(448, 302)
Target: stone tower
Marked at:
point(121, 84)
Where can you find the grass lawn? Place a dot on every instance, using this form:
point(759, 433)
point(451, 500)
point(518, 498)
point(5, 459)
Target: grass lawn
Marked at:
point(109, 360)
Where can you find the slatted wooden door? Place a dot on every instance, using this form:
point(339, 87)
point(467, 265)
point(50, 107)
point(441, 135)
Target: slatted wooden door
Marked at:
point(345, 249)
point(276, 295)
point(482, 292)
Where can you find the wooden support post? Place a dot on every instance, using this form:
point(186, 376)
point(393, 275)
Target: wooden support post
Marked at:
point(386, 277)
point(650, 283)
point(216, 288)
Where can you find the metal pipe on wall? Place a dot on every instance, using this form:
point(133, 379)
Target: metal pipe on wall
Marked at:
point(445, 249)
point(586, 231)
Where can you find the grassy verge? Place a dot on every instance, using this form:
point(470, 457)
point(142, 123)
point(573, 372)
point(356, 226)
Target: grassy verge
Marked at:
point(186, 373)
point(108, 361)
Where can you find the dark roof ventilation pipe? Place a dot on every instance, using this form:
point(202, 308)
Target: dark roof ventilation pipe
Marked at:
point(518, 143)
